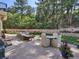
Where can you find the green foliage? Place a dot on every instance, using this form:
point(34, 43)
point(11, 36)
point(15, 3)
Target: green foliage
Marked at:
point(14, 21)
point(57, 11)
point(49, 14)
point(20, 6)
point(70, 39)
point(20, 16)
point(36, 33)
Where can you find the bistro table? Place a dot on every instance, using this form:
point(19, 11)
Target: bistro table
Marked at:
point(50, 38)
point(53, 39)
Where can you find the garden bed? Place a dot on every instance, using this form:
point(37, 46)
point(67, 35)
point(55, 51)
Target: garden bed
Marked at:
point(70, 39)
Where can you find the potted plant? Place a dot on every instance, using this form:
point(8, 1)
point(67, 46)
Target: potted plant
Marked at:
point(66, 52)
point(77, 45)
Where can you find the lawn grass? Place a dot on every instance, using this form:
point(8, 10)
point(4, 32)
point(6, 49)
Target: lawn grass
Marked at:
point(70, 39)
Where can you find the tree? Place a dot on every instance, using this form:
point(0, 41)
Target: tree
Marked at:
point(20, 15)
point(56, 11)
point(23, 8)
point(49, 14)
point(48, 10)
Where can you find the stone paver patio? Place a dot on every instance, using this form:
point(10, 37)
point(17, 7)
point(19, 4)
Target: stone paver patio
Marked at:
point(33, 50)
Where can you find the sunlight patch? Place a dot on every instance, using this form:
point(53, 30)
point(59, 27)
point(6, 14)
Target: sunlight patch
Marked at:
point(16, 42)
point(33, 51)
point(75, 50)
point(50, 54)
point(37, 43)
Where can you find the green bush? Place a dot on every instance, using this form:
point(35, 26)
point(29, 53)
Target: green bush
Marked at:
point(70, 39)
point(36, 33)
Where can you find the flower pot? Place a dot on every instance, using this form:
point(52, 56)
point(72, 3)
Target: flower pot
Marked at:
point(64, 55)
point(78, 46)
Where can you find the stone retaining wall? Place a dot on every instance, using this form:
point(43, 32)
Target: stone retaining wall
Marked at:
point(33, 30)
